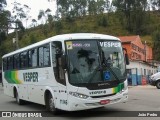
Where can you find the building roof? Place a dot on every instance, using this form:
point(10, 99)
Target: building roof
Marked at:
point(128, 38)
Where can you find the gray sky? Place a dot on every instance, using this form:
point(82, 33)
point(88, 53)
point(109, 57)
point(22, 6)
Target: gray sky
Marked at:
point(35, 6)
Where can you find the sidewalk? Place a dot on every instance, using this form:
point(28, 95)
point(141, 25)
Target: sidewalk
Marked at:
point(142, 86)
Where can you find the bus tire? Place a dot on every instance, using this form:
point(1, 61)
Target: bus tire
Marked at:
point(18, 100)
point(158, 84)
point(50, 104)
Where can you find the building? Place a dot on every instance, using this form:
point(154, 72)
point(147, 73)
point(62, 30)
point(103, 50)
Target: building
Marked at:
point(142, 64)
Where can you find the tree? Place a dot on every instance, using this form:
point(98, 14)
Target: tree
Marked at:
point(41, 16)
point(4, 21)
point(156, 44)
point(58, 26)
point(133, 12)
point(34, 22)
point(4, 16)
point(155, 4)
point(49, 16)
point(26, 9)
point(62, 8)
point(100, 6)
point(2, 4)
point(18, 15)
point(92, 7)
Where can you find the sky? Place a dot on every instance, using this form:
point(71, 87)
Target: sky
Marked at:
point(35, 6)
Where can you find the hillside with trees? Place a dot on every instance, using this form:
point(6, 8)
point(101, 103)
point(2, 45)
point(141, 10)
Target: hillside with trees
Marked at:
point(117, 18)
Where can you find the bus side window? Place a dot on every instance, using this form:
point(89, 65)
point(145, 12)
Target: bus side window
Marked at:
point(16, 61)
point(40, 53)
point(29, 58)
point(46, 51)
point(44, 56)
point(24, 59)
point(10, 63)
point(33, 58)
point(56, 56)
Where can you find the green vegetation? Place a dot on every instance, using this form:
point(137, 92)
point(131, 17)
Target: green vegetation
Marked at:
point(132, 17)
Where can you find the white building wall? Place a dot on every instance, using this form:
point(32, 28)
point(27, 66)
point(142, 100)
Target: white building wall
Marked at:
point(140, 69)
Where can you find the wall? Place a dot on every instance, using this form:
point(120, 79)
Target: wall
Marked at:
point(136, 50)
point(140, 69)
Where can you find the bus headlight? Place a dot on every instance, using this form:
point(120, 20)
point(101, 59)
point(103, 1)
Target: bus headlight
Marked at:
point(79, 95)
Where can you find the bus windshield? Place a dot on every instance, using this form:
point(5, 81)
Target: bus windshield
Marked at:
point(86, 58)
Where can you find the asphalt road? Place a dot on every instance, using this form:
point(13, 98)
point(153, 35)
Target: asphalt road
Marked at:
point(141, 98)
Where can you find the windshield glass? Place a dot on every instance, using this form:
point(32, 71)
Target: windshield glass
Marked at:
point(85, 61)
point(114, 58)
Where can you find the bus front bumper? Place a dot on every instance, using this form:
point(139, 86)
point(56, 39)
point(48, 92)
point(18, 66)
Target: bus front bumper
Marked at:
point(90, 103)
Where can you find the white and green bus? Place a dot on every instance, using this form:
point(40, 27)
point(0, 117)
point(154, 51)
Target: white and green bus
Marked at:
point(68, 72)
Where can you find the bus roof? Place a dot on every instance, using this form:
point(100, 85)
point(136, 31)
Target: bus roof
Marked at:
point(62, 38)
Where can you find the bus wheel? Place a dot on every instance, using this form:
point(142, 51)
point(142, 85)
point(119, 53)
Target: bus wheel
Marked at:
point(158, 84)
point(50, 105)
point(18, 100)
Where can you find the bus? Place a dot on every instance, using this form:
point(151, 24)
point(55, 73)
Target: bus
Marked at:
point(68, 72)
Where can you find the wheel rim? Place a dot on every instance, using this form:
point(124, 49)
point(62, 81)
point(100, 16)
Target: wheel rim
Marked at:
point(51, 104)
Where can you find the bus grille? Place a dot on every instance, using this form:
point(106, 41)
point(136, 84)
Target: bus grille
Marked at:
point(103, 96)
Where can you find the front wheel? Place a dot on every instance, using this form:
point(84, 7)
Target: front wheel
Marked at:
point(158, 84)
point(50, 105)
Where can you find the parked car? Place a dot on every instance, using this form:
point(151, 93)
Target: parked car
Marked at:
point(155, 80)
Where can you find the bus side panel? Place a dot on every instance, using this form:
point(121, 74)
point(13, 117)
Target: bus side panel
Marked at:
point(36, 94)
point(23, 91)
point(36, 89)
point(8, 89)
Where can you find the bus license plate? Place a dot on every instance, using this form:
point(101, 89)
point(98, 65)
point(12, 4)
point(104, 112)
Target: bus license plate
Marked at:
point(103, 102)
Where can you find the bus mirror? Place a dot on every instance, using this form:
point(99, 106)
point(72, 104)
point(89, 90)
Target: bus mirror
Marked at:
point(127, 59)
point(63, 62)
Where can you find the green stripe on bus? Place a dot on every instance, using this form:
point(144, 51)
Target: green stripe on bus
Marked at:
point(11, 77)
point(118, 88)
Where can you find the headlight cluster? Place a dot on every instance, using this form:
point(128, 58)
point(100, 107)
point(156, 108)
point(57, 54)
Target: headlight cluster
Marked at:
point(79, 95)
